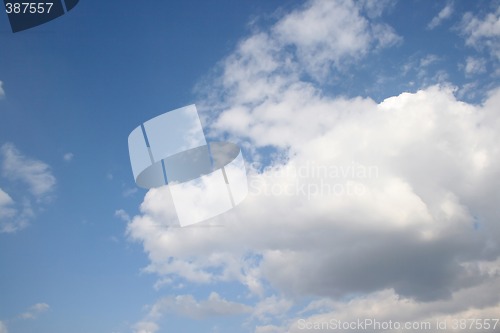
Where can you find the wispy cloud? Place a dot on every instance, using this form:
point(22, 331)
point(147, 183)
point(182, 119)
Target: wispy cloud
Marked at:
point(474, 65)
point(3, 328)
point(483, 33)
point(270, 308)
point(30, 314)
point(128, 192)
point(22, 172)
point(35, 174)
point(123, 215)
point(429, 60)
point(34, 311)
point(14, 216)
point(188, 306)
point(5, 204)
point(443, 15)
point(68, 157)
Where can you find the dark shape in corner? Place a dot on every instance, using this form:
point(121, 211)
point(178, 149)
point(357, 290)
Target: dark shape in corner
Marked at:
point(70, 4)
point(35, 12)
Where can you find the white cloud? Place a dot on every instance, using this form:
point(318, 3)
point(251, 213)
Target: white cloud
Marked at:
point(407, 229)
point(68, 157)
point(271, 307)
point(34, 311)
point(483, 32)
point(429, 60)
point(2, 91)
point(468, 90)
point(269, 329)
point(423, 71)
point(375, 9)
point(329, 34)
point(474, 66)
point(122, 215)
point(146, 327)
point(321, 36)
point(34, 173)
point(389, 200)
point(385, 306)
point(14, 216)
point(5, 200)
point(7, 213)
point(16, 168)
point(3, 328)
point(444, 14)
point(188, 306)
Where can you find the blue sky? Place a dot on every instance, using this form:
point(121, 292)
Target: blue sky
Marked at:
point(316, 93)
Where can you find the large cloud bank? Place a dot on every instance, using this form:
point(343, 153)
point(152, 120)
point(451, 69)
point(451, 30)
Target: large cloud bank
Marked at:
point(365, 207)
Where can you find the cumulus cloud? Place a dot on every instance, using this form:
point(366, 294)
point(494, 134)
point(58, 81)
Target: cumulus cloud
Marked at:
point(2, 91)
point(405, 225)
point(34, 311)
point(444, 14)
point(322, 36)
point(328, 34)
point(483, 33)
point(3, 328)
point(349, 199)
point(21, 171)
